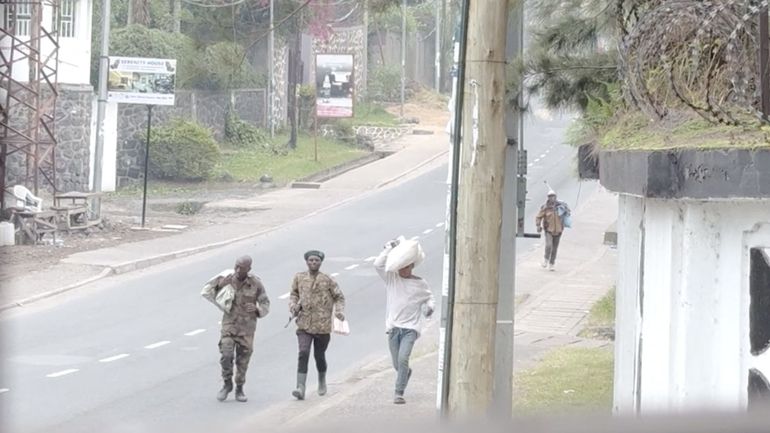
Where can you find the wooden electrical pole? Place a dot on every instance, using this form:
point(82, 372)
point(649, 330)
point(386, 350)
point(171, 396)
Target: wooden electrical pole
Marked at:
point(479, 212)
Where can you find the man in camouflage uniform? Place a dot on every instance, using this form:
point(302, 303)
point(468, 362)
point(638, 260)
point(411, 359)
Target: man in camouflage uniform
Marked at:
point(314, 298)
point(237, 335)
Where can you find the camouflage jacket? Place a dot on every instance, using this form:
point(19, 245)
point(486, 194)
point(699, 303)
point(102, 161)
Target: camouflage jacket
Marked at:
point(318, 298)
point(251, 291)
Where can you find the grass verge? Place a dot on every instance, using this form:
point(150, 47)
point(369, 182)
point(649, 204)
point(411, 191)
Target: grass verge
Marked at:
point(635, 131)
point(601, 319)
point(567, 380)
point(248, 165)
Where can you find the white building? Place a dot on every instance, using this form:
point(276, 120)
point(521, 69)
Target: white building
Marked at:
point(74, 26)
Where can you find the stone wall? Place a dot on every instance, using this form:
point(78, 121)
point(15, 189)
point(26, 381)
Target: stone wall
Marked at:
point(346, 41)
point(377, 134)
point(206, 108)
point(72, 131)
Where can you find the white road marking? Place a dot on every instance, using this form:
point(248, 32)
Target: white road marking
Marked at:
point(427, 231)
point(196, 332)
point(439, 225)
point(370, 259)
point(285, 295)
point(62, 373)
point(157, 345)
point(114, 358)
point(351, 267)
point(4, 390)
point(530, 164)
point(335, 274)
point(536, 161)
point(543, 155)
point(414, 238)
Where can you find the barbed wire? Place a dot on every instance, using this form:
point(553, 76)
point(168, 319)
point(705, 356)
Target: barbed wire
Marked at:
point(700, 54)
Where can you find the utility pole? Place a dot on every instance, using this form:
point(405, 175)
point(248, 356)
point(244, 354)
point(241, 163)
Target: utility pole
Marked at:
point(101, 105)
point(271, 72)
point(365, 73)
point(176, 14)
point(403, 56)
point(437, 62)
point(503, 392)
point(479, 212)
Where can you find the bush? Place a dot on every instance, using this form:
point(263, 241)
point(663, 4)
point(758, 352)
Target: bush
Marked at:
point(183, 150)
point(219, 67)
point(243, 135)
point(385, 84)
point(307, 101)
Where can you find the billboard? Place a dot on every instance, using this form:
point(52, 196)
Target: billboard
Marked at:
point(334, 85)
point(137, 80)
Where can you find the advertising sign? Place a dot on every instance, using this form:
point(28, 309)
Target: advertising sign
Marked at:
point(137, 80)
point(334, 85)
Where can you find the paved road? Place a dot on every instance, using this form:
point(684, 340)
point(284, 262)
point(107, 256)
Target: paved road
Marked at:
point(138, 352)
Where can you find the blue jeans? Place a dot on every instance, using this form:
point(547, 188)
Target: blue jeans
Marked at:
point(401, 342)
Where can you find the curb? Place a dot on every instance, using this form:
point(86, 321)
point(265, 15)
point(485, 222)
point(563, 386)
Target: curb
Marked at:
point(162, 258)
point(106, 272)
point(412, 170)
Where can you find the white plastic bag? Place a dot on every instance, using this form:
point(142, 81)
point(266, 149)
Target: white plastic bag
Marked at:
point(222, 298)
point(405, 253)
point(340, 327)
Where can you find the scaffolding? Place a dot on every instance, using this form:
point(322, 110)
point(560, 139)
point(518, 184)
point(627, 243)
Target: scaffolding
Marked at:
point(29, 57)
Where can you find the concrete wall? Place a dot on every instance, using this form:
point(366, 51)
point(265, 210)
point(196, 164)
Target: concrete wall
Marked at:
point(683, 303)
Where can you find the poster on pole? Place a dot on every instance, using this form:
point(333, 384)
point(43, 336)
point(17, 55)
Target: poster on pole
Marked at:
point(138, 80)
point(334, 78)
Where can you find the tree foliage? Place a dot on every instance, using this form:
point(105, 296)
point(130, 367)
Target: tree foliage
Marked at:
point(183, 150)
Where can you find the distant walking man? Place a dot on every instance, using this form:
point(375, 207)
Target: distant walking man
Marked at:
point(407, 295)
point(238, 326)
point(550, 219)
point(315, 296)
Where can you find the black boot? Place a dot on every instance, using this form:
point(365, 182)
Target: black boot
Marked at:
point(226, 389)
point(321, 383)
point(299, 393)
point(239, 395)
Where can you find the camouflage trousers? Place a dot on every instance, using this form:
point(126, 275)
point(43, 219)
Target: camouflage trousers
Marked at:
point(235, 349)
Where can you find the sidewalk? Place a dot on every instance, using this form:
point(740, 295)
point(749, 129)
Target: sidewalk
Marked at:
point(549, 318)
point(414, 154)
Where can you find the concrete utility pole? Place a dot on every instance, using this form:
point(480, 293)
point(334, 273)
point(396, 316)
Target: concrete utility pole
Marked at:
point(479, 212)
point(271, 72)
point(365, 73)
point(437, 62)
point(101, 105)
point(403, 56)
point(503, 393)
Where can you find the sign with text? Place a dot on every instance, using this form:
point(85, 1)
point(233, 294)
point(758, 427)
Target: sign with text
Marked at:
point(138, 80)
point(334, 85)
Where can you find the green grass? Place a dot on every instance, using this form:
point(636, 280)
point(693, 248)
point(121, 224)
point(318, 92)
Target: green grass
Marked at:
point(634, 131)
point(373, 114)
point(601, 318)
point(566, 380)
point(250, 164)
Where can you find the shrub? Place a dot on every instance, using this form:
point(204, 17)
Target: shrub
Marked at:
point(243, 135)
point(183, 150)
point(385, 84)
point(307, 101)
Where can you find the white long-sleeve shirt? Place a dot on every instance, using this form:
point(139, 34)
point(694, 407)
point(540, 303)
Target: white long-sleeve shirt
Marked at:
point(405, 297)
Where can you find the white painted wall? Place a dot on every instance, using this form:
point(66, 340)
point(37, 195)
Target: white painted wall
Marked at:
point(74, 52)
point(110, 152)
point(687, 348)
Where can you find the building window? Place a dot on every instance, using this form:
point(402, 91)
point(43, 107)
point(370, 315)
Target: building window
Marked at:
point(67, 19)
point(23, 18)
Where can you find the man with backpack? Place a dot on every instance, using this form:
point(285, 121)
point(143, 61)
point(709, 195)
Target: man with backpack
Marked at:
point(551, 219)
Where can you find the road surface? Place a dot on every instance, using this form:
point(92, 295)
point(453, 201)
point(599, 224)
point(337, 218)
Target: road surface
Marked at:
point(138, 352)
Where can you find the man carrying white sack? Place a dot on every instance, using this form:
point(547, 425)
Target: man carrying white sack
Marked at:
point(409, 301)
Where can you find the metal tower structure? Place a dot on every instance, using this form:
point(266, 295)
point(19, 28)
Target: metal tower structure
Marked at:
point(29, 57)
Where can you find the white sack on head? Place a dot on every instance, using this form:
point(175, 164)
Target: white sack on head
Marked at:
point(404, 254)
